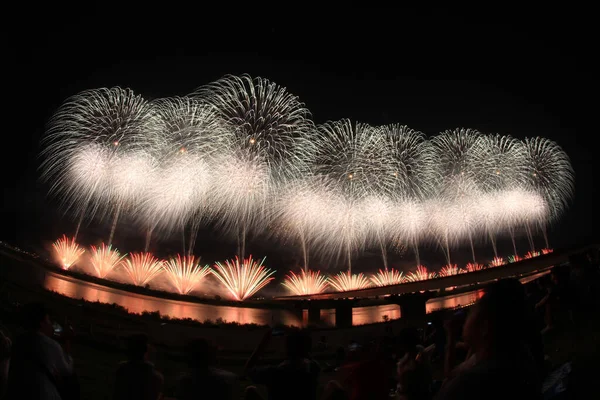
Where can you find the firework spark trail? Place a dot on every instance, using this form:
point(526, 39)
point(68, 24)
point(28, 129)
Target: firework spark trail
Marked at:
point(244, 279)
point(388, 277)
point(142, 268)
point(306, 282)
point(185, 273)
point(105, 259)
point(378, 211)
point(344, 282)
point(67, 251)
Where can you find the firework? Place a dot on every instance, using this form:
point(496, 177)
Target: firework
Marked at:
point(497, 262)
point(472, 267)
point(514, 258)
point(185, 273)
point(101, 124)
point(142, 268)
point(67, 252)
point(344, 282)
point(449, 270)
point(306, 282)
point(104, 259)
point(268, 122)
point(420, 274)
point(387, 277)
point(242, 155)
point(547, 251)
point(531, 254)
point(243, 279)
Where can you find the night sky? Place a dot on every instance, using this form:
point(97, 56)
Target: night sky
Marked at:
point(526, 74)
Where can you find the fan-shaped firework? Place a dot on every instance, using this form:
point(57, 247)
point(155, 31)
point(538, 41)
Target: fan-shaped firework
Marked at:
point(105, 259)
point(67, 252)
point(142, 268)
point(420, 274)
point(185, 273)
point(387, 277)
point(344, 282)
point(449, 270)
point(497, 262)
point(243, 279)
point(472, 267)
point(306, 282)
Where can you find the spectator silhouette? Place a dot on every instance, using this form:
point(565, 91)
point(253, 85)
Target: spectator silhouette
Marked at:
point(295, 378)
point(366, 374)
point(137, 379)
point(501, 341)
point(40, 368)
point(203, 377)
point(5, 345)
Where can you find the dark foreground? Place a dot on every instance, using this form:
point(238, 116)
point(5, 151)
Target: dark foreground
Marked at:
point(98, 347)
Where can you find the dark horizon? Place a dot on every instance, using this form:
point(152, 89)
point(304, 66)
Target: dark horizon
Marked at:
point(525, 76)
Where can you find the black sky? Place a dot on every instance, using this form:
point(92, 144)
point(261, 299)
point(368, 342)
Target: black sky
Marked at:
point(519, 72)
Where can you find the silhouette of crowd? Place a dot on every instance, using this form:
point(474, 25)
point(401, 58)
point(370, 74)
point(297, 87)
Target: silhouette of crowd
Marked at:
point(493, 350)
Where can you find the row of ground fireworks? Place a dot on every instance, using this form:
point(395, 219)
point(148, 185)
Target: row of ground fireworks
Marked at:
point(242, 279)
point(244, 153)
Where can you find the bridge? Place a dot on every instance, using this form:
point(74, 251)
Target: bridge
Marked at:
point(412, 296)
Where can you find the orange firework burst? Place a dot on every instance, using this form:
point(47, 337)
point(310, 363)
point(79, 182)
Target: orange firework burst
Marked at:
point(531, 254)
point(345, 281)
point(142, 268)
point(449, 270)
point(244, 279)
point(420, 274)
point(471, 267)
point(104, 259)
point(67, 252)
point(307, 282)
point(547, 251)
point(185, 273)
point(387, 277)
point(497, 261)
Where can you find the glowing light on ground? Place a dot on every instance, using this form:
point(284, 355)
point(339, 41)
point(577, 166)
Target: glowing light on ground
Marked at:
point(185, 273)
point(244, 279)
point(547, 251)
point(142, 268)
point(306, 282)
point(388, 277)
point(344, 282)
point(67, 252)
point(104, 259)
